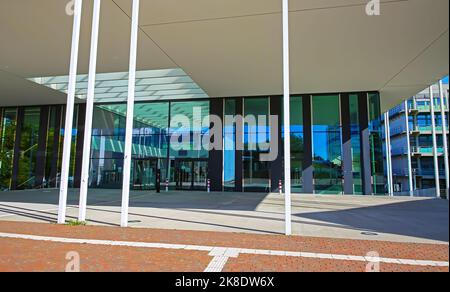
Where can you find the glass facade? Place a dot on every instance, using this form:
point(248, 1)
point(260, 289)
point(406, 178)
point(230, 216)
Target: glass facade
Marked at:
point(183, 165)
point(150, 141)
point(327, 145)
point(188, 159)
point(73, 149)
point(356, 144)
point(52, 149)
point(256, 133)
point(229, 151)
point(28, 148)
point(376, 144)
point(297, 144)
point(169, 139)
point(8, 136)
point(197, 114)
point(107, 146)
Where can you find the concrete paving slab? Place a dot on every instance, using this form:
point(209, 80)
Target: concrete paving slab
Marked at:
point(353, 217)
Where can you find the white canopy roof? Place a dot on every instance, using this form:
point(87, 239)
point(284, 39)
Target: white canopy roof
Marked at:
point(233, 47)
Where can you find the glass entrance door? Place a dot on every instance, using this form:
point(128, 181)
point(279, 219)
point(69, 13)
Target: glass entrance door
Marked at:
point(144, 174)
point(191, 174)
point(184, 175)
point(200, 175)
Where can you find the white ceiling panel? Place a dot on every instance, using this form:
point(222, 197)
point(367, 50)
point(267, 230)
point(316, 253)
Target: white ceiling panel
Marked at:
point(233, 47)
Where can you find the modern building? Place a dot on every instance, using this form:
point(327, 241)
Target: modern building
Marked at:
point(32, 141)
point(412, 121)
point(129, 67)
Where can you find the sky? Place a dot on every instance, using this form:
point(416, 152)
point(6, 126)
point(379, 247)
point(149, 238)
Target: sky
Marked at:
point(445, 80)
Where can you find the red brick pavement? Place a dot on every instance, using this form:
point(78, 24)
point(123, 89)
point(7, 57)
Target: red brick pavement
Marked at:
point(18, 255)
point(263, 263)
point(51, 256)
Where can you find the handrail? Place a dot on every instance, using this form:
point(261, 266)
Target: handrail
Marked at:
point(30, 148)
point(420, 149)
point(44, 183)
point(31, 178)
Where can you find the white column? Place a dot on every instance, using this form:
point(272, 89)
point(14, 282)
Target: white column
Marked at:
point(286, 107)
point(388, 154)
point(408, 147)
point(435, 150)
point(130, 115)
point(89, 112)
point(391, 176)
point(69, 113)
point(444, 136)
point(386, 143)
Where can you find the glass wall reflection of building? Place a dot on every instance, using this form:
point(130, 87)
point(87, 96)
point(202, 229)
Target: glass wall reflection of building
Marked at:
point(321, 126)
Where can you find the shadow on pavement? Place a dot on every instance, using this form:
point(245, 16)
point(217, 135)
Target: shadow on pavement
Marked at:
point(428, 219)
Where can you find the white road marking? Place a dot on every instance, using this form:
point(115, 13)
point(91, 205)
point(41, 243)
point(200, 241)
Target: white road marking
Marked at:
point(217, 264)
point(221, 254)
point(220, 258)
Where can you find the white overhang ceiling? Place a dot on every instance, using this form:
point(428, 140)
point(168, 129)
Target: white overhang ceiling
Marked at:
point(151, 85)
point(233, 47)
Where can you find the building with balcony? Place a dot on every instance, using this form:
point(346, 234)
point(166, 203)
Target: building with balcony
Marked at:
point(412, 121)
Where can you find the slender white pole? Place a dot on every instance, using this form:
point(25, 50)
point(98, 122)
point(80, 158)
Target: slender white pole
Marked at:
point(408, 147)
point(69, 113)
point(287, 126)
point(444, 136)
point(435, 150)
point(130, 115)
point(388, 154)
point(387, 151)
point(448, 107)
point(89, 112)
point(391, 176)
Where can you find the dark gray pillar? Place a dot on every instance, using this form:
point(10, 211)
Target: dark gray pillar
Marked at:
point(79, 146)
point(276, 166)
point(347, 144)
point(215, 163)
point(42, 146)
point(239, 153)
point(365, 143)
point(17, 142)
point(308, 168)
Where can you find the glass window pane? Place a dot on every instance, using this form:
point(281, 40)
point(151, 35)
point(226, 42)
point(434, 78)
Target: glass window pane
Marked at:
point(297, 149)
point(28, 148)
point(50, 147)
point(196, 113)
point(256, 172)
point(107, 146)
point(229, 155)
point(327, 145)
point(150, 144)
point(150, 136)
point(356, 144)
point(73, 145)
point(8, 124)
point(376, 144)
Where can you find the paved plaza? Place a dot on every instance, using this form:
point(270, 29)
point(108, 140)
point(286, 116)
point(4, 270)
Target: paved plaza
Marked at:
point(346, 217)
point(49, 247)
point(220, 232)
